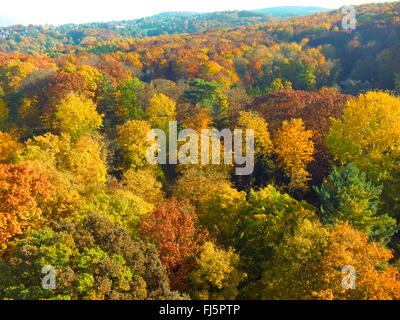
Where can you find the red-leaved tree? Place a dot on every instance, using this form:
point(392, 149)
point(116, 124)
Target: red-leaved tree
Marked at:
point(172, 227)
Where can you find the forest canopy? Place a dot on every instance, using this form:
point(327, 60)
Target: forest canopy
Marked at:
point(78, 194)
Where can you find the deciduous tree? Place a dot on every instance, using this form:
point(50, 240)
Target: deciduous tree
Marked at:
point(23, 192)
point(77, 116)
point(294, 149)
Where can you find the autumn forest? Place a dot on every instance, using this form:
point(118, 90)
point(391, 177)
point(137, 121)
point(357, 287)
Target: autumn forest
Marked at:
point(78, 195)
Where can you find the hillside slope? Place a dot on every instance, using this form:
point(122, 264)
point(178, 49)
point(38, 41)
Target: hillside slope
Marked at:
point(42, 38)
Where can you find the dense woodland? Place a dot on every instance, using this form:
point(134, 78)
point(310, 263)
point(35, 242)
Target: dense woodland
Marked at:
point(77, 193)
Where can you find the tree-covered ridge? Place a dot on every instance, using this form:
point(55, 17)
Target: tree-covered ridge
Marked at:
point(48, 38)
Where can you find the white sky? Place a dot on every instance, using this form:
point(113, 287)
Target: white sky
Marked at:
point(80, 11)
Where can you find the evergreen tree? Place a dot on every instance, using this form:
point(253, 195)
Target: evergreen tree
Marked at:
point(200, 92)
point(348, 196)
point(128, 92)
point(106, 101)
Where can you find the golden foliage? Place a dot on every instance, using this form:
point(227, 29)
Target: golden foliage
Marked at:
point(294, 150)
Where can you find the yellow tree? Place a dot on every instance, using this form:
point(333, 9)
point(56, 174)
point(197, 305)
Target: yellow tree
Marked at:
point(76, 170)
point(133, 143)
point(82, 159)
point(77, 116)
point(294, 151)
point(85, 161)
point(8, 147)
point(198, 185)
point(278, 84)
point(118, 205)
point(262, 141)
point(368, 134)
point(160, 111)
point(143, 183)
point(293, 272)
point(216, 275)
point(12, 72)
point(91, 75)
point(220, 213)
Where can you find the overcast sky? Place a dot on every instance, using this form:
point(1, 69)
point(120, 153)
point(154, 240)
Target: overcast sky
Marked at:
point(80, 11)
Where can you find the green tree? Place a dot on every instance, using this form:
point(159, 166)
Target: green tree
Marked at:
point(94, 260)
point(106, 101)
point(269, 218)
point(278, 84)
point(347, 195)
point(128, 98)
point(200, 91)
point(3, 114)
point(219, 110)
point(209, 95)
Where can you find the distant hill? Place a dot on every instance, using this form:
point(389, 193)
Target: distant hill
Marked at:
point(47, 38)
point(180, 22)
point(43, 38)
point(290, 11)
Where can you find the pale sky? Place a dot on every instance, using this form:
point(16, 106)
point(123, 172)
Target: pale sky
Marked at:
point(80, 11)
